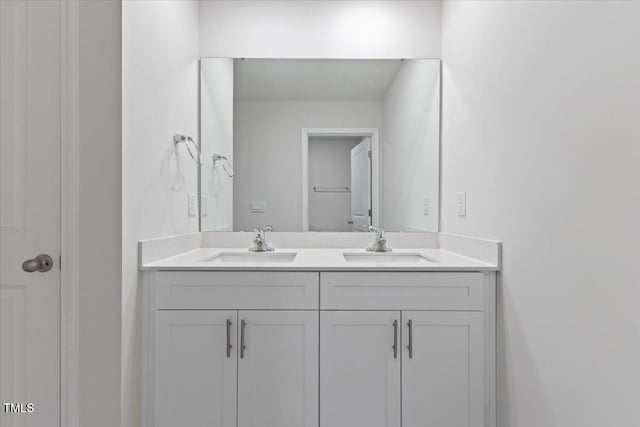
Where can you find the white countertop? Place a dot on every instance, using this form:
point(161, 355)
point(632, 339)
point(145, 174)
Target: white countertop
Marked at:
point(324, 259)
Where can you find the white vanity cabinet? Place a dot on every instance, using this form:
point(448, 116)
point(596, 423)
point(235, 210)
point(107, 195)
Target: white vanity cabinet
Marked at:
point(278, 369)
point(231, 349)
point(360, 368)
point(434, 371)
point(442, 369)
point(385, 362)
point(212, 365)
point(319, 349)
point(195, 368)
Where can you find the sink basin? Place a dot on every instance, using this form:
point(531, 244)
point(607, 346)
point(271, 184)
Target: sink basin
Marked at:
point(387, 258)
point(253, 257)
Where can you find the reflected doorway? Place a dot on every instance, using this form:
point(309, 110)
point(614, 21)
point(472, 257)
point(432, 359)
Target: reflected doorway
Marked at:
point(340, 179)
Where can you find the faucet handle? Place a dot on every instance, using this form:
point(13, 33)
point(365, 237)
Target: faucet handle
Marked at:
point(380, 245)
point(379, 231)
point(260, 231)
point(260, 241)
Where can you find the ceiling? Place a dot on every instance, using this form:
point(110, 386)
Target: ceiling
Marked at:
point(313, 79)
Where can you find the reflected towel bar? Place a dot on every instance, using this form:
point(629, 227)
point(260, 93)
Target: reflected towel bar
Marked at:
point(341, 189)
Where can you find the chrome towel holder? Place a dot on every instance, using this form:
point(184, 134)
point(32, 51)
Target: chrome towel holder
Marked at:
point(192, 146)
point(226, 164)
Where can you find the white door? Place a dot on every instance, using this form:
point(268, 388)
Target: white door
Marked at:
point(442, 375)
point(196, 368)
point(30, 38)
point(360, 365)
point(278, 369)
point(361, 185)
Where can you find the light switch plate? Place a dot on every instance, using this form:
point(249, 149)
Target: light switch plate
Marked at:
point(426, 205)
point(204, 206)
point(193, 205)
point(462, 203)
point(258, 206)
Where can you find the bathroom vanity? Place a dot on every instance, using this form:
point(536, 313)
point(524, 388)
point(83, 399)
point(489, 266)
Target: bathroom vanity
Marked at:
point(330, 337)
point(319, 332)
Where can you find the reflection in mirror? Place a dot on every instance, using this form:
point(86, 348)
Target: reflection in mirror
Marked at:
point(319, 145)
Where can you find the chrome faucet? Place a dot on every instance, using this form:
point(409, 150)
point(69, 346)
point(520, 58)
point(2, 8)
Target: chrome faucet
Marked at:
point(380, 245)
point(260, 241)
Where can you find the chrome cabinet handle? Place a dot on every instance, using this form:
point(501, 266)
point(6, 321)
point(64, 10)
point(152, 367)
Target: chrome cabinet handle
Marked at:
point(410, 346)
point(395, 339)
point(41, 263)
point(243, 324)
point(229, 346)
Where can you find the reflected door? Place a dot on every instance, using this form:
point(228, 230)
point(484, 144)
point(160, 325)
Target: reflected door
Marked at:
point(361, 185)
point(30, 213)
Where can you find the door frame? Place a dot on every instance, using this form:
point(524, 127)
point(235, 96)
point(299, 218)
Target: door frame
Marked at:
point(373, 133)
point(69, 207)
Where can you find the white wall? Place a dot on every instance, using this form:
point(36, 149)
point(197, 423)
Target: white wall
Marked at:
point(410, 146)
point(330, 166)
point(99, 99)
point(541, 112)
point(216, 127)
point(320, 29)
point(267, 145)
point(160, 97)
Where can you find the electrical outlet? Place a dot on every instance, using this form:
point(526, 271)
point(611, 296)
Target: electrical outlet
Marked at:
point(462, 204)
point(192, 205)
point(426, 206)
point(204, 206)
point(258, 206)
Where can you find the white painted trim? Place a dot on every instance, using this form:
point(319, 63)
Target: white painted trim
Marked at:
point(375, 166)
point(69, 206)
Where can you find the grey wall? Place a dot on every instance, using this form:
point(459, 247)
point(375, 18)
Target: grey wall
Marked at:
point(100, 316)
point(267, 141)
point(540, 127)
point(216, 137)
point(330, 166)
point(267, 145)
point(410, 144)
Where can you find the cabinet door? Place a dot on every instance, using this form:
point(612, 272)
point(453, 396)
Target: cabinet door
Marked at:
point(278, 369)
point(360, 385)
point(195, 381)
point(442, 369)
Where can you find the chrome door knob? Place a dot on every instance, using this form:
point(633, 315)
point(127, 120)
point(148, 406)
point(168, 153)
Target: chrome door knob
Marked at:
point(41, 263)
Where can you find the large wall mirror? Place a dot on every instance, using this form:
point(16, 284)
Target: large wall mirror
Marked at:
point(319, 144)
